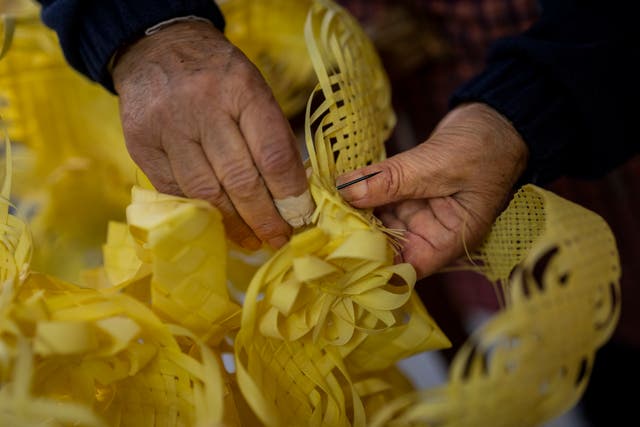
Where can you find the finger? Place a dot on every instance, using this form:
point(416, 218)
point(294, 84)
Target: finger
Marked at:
point(421, 255)
point(439, 231)
point(275, 151)
point(421, 220)
point(444, 211)
point(408, 175)
point(391, 220)
point(196, 179)
point(233, 165)
point(424, 245)
point(417, 250)
point(157, 168)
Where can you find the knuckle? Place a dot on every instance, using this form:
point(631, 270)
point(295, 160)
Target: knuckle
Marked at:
point(200, 86)
point(143, 153)
point(249, 86)
point(165, 184)
point(140, 129)
point(394, 177)
point(242, 68)
point(242, 182)
point(205, 189)
point(276, 158)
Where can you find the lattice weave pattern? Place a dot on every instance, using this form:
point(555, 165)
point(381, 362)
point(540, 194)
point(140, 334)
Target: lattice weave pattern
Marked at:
point(532, 360)
point(332, 296)
point(349, 115)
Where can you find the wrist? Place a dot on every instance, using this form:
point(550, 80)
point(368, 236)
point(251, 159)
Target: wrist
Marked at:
point(170, 42)
point(154, 29)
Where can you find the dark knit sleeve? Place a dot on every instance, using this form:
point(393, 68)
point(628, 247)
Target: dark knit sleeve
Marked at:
point(91, 31)
point(570, 87)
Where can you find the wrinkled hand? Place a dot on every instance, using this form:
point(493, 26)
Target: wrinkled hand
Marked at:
point(200, 121)
point(447, 191)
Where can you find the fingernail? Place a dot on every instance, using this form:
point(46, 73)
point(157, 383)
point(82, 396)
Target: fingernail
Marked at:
point(251, 243)
point(278, 242)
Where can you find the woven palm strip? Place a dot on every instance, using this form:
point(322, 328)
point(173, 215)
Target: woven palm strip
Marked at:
point(121, 353)
point(335, 307)
point(559, 266)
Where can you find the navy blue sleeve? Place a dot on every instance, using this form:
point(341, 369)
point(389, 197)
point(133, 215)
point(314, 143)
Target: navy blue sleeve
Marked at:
point(570, 86)
point(91, 31)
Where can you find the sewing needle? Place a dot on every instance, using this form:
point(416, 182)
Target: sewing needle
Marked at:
point(362, 178)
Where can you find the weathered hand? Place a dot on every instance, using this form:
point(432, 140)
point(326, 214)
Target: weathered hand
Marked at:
point(447, 190)
point(200, 121)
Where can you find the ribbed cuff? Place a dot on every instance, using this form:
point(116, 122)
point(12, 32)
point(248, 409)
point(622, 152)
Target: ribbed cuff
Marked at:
point(90, 32)
point(535, 106)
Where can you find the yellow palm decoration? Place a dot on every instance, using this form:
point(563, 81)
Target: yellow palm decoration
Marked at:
point(69, 143)
point(334, 304)
point(109, 355)
point(560, 269)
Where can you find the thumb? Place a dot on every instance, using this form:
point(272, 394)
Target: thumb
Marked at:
point(407, 175)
